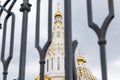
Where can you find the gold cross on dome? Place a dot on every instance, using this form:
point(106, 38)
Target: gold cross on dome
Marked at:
point(58, 5)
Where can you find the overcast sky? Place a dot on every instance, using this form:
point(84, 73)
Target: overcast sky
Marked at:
point(86, 37)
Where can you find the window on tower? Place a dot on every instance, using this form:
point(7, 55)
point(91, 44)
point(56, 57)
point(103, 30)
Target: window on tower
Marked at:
point(58, 62)
point(47, 65)
point(58, 34)
point(52, 63)
point(58, 47)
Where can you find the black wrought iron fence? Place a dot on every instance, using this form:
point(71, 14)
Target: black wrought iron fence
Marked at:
point(6, 62)
point(70, 46)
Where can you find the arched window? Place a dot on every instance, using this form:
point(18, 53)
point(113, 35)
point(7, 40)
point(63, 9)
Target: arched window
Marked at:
point(58, 47)
point(47, 65)
point(58, 27)
point(52, 63)
point(58, 34)
point(58, 63)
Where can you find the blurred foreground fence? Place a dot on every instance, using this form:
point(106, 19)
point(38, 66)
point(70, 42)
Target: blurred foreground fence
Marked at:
point(70, 46)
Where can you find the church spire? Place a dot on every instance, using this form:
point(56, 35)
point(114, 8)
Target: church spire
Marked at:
point(55, 54)
point(58, 14)
point(83, 73)
point(58, 6)
point(80, 58)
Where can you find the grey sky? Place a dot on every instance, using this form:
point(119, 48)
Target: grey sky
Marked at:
point(86, 37)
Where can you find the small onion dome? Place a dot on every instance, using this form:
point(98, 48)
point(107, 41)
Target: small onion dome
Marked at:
point(81, 59)
point(58, 13)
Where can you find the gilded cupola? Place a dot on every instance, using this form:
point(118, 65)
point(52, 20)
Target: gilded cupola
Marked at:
point(58, 14)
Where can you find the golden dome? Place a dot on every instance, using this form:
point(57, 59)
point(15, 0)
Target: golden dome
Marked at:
point(81, 59)
point(84, 72)
point(45, 78)
point(58, 13)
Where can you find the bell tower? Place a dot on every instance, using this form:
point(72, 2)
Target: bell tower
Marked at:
point(54, 67)
point(55, 56)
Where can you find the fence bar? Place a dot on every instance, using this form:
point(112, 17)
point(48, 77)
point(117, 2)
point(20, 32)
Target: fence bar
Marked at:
point(68, 41)
point(101, 33)
point(74, 45)
point(43, 51)
point(25, 8)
